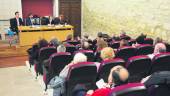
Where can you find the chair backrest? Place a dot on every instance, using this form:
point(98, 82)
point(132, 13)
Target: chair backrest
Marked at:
point(144, 49)
point(132, 41)
point(148, 41)
point(161, 62)
point(58, 61)
point(159, 90)
point(131, 89)
point(73, 42)
point(138, 67)
point(81, 73)
point(70, 48)
point(46, 52)
point(115, 44)
point(126, 52)
point(107, 65)
point(88, 53)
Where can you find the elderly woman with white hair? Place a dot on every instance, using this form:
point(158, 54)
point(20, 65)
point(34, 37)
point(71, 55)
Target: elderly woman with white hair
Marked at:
point(79, 57)
point(58, 82)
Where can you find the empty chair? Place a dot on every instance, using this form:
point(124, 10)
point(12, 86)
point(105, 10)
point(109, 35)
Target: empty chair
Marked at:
point(138, 67)
point(57, 62)
point(131, 89)
point(44, 54)
point(73, 42)
point(106, 66)
point(148, 41)
point(161, 62)
point(71, 48)
point(88, 53)
point(115, 45)
point(144, 49)
point(81, 73)
point(126, 52)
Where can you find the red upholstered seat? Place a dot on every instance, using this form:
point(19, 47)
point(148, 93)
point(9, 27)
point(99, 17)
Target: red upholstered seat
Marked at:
point(138, 67)
point(131, 89)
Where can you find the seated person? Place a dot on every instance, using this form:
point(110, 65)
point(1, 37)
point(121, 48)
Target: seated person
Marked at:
point(85, 46)
point(140, 39)
point(100, 42)
point(124, 36)
point(118, 76)
point(159, 48)
point(54, 42)
point(107, 53)
point(61, 48)
point(58, 81)
point(123, 43)
point(79, 57)
point(69, 38)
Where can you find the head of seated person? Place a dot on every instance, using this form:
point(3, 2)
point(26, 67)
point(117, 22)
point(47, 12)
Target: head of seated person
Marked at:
point(79, 57)
point(101, 44)
point(158, 40)
point(107, 53)
point(54, 42)
point(100, 35)
point(123, 43)
point(118, 76)
point(61, 48)
point(159, 48)
point(85, 45)
point(42, 43)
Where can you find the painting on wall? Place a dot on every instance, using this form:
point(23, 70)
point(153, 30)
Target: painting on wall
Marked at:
point(151, 17)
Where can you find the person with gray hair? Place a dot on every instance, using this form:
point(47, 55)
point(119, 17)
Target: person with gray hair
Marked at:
point(61, 48)
point(79, 57)
point(58, 82)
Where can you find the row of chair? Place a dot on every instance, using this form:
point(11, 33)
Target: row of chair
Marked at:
point(138, 67)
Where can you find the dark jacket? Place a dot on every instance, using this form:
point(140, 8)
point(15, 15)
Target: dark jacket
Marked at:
point(29, 22)
point(13, 24)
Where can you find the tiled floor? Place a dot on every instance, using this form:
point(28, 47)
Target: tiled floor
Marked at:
point(18, 81)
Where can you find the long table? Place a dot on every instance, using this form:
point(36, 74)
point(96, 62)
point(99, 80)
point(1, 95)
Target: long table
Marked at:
point(29, 35)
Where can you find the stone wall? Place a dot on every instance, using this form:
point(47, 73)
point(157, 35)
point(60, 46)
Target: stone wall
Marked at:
point(151, 17)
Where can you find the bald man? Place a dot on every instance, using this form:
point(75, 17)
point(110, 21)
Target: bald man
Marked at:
point(118, 76)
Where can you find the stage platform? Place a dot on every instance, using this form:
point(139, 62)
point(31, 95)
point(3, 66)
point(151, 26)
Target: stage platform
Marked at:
point(12, 51)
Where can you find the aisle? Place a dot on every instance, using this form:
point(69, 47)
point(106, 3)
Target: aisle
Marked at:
point(18, 81)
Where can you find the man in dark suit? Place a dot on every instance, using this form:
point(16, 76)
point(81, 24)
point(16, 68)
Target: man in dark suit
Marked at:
point(60, 20)
point(29, 20)
point(15, 22)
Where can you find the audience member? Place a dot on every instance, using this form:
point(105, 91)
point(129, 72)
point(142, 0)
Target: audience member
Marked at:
point(140, 39)
point(107, 53)
point(123, 43)
point(61, 48)
point(124, 36)
point(85, 46)
point(79, 57)
point(54, 42)
point(118, 76)
point(100, 42)
point(159, 48)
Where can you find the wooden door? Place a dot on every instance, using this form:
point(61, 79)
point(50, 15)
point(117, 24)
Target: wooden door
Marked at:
point(72, 10)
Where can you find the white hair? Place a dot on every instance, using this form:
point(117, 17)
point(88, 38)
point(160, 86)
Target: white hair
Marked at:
point(61, 48)
point(79, 57)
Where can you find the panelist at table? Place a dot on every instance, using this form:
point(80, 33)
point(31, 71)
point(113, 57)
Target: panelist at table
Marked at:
point(60, 20)
point(29, 20)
